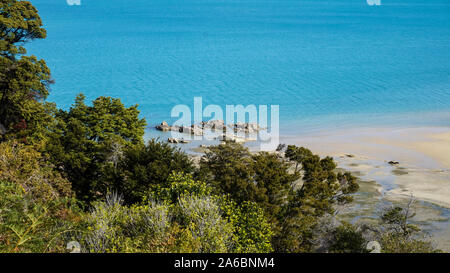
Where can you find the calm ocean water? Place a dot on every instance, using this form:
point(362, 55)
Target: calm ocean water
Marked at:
point(326, 63)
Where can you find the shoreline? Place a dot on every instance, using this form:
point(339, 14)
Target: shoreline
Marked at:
point(423, 171)
point(423, 154)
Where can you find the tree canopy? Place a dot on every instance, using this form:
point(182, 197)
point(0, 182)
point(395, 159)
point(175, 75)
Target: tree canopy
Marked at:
point(24, 80)
point(86, 139)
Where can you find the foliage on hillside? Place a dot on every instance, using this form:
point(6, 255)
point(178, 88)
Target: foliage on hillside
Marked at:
point(86, 174)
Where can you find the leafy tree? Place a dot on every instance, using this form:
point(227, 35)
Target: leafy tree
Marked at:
point(398, 235)
point(297, 155)
point(322, 188)
point(262, 178)
point(228, 168)
point(266, 179)
point(145, 167)
point(397, 221)
point(89, 138)
point(272, 177)
point(24, 80)
point(321, 191)
point(20, 23)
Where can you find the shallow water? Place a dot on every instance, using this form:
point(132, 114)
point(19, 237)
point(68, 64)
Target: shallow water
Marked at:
point(374, 197)
point(326, 63)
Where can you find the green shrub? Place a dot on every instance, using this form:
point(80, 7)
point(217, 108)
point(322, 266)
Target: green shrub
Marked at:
point(23, 165)
point(29, 225)
point(112, 227)
point(347, 239)
point(145, 167)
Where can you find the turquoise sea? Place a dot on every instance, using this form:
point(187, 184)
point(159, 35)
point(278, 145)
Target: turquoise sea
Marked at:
point(327, 64)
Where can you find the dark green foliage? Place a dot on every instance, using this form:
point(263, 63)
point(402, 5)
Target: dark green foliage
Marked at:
point(297, 155)
point(321, 190)
point(262, 178)
point(20, 23)
point(144, 167)
point(272, 177)
point(265, 179)
point(347, 239)
point(228, 168)
point(88, 138)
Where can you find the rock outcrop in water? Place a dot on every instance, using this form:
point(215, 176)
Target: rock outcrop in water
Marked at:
point(177, 140)
point(213, 126)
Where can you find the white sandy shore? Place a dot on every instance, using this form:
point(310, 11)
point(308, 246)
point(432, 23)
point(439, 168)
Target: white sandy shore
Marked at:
point(423, 153)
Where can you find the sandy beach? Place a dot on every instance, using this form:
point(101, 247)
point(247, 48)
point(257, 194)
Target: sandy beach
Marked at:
point(423, 171)
point(423, 155)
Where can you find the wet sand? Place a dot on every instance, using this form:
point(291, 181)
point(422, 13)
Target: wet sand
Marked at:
point(423, 171)
point(423, 155)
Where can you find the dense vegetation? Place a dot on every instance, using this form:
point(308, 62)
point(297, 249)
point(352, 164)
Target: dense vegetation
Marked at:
point(86, 175)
